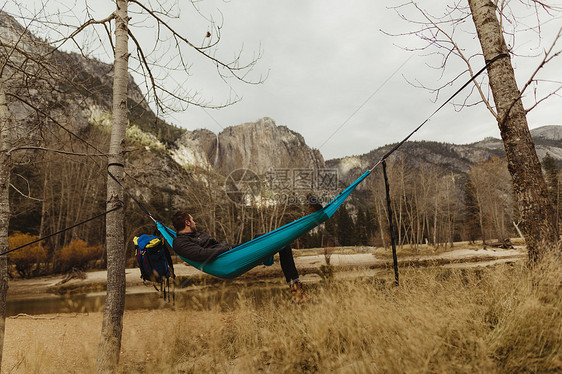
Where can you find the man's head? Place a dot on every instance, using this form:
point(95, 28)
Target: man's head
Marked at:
point(183, 221)
point(314, 204)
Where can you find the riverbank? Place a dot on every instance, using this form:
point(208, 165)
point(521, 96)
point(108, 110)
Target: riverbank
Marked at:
point(309, 263)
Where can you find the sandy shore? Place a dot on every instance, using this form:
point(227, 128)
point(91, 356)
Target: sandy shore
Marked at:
point(68, 343)
point(308, 265)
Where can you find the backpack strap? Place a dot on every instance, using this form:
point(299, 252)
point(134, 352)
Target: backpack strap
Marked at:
point(173, 274)
point(169, 257)
point(171, 268)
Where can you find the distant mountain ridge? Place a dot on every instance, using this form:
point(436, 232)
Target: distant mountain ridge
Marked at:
point(457, 158)
point(263, 145)
point(549, 132)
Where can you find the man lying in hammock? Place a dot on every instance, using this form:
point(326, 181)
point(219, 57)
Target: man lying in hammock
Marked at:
point(201, 247)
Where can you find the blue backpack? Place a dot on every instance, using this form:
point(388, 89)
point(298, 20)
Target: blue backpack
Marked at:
point(153, 258)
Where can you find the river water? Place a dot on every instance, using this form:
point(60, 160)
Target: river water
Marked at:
point(221, 298)
point(194, 298)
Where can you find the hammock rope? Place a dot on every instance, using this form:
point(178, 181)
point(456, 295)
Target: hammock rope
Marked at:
point(63, 230)
point(398, 145)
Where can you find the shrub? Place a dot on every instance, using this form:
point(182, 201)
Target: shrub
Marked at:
point(28, 258)
point(77, 255)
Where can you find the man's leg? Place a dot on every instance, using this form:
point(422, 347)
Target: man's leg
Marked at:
point(288, 265)
point(292, 275)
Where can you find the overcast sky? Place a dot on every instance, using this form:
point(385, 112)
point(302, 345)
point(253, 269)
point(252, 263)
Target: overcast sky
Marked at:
point(335, 78)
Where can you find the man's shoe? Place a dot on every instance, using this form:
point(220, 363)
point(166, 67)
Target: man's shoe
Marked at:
point(298, 293)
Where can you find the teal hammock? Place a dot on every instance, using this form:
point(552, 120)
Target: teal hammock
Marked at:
point(258, 251)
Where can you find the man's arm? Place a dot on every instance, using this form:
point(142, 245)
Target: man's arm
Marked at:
point(207, 251)
point(207, 241)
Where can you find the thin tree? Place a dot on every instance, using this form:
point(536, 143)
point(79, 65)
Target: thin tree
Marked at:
point(5, 170)
point(112, 326)
point(472, 222)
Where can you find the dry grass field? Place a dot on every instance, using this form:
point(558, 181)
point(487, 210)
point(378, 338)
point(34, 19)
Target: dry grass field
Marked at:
point(504, 318)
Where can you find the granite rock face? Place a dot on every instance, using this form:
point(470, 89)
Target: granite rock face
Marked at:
point(262, 145)
point(193, 149)
point(550, 132)
point(258, 146)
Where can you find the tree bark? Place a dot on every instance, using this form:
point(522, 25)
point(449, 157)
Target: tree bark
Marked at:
point(112, 326)
point(379, 212)
point(5, 170)
point(523, 164)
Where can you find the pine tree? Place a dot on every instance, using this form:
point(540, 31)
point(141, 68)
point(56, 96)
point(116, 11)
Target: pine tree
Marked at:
point(344, 227)
point(551, 176)
point(361, 228)
point(471, 221)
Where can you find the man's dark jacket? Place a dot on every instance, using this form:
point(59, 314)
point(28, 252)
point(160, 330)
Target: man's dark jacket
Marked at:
point(199, 246)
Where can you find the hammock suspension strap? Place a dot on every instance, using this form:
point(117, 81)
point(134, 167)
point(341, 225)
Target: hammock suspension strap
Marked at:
point(63, 230)
point(391, 225)
point(127, 192)
point(488, 63)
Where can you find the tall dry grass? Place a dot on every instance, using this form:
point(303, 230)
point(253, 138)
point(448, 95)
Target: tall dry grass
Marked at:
point(505, 318)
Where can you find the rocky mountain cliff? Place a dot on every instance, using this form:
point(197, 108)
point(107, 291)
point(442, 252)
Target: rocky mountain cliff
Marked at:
point(263, 145)
point(257, 146)
point(548, 139)
point(551, 132)
point(70, 88)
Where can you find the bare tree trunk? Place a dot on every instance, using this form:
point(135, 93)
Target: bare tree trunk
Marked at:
point(44, 203)
point(481, 219)
point(435, 223)
point(557, 225)
point(523, 164)
point(518, 230)
point(379, 212)
point(5, 169)
point(449, 217)
point(112, 327)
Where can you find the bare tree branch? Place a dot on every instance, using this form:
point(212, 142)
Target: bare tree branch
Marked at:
point(28, 196)
point(549, 55)
point(83, 26)
point(56, 151)
point(47, 115)
point(440, 35)
point(233, 67)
